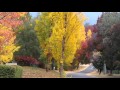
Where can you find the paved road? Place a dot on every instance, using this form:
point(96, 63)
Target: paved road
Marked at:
point(83, 73)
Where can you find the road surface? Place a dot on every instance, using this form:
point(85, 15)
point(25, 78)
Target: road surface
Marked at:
point(82, 74)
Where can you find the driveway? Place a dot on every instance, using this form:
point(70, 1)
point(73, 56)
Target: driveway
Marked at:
point(82, 74)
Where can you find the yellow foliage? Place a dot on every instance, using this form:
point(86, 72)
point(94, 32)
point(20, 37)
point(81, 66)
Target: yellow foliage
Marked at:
point(22, 14)
point(6, 54)
point(51, 27)
point(7, 46)
point(43, 29)
point(4, 27)
point(89, 33)
point(72, 29)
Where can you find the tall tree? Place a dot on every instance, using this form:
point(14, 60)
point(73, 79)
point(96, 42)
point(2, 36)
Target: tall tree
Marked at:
point(27, 39)
point(67, 33)
point(43, 30)
point(60, 34)
point(9, 21)
point(7, 46)
point(104, 25)
point(111, 47)
point(106, 20)
point(83, 54)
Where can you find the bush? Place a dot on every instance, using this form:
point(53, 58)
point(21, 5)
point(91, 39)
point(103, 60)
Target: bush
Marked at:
point(116, 65)
point(43, 61)
point(75, 64)
point(10, 71)
point(26, 61)
point(41, 65)
point(67, 67)
point(98, 64)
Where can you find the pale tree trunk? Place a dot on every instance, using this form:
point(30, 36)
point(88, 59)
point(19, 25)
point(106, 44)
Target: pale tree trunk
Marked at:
point(63, 49)
point(61, 70)
point(61, 62)
point(104, 68)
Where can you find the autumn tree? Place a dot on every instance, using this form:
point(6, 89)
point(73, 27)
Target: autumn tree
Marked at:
point(9, 21)
point(67, 33)
point(59, 34)
point(43, 31)
point(83, 54)
point(7, 46)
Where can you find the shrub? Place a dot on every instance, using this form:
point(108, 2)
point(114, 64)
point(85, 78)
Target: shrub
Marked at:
point(116, 65)
point(43, 61)
point(26, 61)
point(67, 67)
point(10, 71)
point(75, 64)
point(98, 64)
point(41, 65)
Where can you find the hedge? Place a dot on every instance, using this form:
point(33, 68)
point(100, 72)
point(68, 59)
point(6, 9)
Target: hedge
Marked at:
point(10, 71)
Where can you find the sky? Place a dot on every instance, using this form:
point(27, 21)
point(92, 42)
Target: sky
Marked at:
point(92, 16)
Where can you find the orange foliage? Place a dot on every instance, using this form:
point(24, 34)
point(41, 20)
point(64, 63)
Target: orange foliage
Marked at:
point(11, 19)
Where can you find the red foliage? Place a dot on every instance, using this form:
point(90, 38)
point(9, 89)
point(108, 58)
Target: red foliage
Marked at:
point(88, 55)
point(26, 60)
point(7, 35)
point(82, 51)
point(8, 22)
point(84, 45)
point(88, 45)
point(93, 28)
point(11, 19)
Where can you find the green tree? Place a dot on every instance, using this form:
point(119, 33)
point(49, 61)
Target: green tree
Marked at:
point(43, 31)
point(112, 47)
point(104, 25)
point(27, 39)
point(106, 21)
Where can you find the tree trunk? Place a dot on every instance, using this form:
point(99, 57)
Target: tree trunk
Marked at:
point(63, 49)
point(77, 66)
point(47, 67)
point(61, 62)
point(61, 70)
point(110, 71)
point(104, 68)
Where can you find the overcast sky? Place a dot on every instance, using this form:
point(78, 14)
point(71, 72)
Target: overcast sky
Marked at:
point(92, 16)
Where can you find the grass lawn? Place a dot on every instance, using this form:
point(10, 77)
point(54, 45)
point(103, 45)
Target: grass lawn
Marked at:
point(34, 72)
point(95, 73)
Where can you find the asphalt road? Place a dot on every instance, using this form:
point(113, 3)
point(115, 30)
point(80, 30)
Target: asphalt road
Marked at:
point(82, 74)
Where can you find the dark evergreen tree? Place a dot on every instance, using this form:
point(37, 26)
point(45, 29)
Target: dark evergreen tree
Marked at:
point(27, 39)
